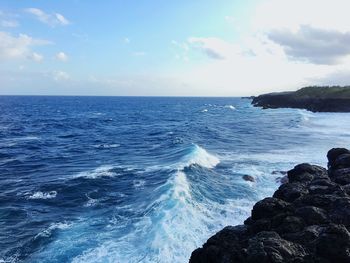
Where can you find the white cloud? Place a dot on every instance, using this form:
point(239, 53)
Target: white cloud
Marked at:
point(60, 76)
point(290, 14)
point(12, 47)
point(9, 23)
point(315, 45)
point(214, 48)
point(49, 19)
point(61, 56)
point(8, 20)
point(63, 21)
point(288, 44)
point(35, 57)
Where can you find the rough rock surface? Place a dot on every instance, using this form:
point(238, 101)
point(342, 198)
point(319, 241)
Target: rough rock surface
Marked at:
point(306, 220)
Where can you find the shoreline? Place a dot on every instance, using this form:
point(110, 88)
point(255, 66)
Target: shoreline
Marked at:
point(306, 220)
point(315, 99)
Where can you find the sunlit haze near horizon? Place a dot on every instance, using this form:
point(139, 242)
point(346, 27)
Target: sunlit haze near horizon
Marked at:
point(172, 48)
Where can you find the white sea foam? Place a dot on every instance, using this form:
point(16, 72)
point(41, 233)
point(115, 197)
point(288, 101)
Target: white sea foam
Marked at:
point(107, 146)
point(172, 231)
point(205, 110)
point(201, 157)
point(43, 195)
point(230, 107)
point(103, 171)
point(53, 227)
point(139, 184)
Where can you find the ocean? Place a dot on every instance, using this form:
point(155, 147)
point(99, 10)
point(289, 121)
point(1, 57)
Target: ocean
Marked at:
point(142, 179)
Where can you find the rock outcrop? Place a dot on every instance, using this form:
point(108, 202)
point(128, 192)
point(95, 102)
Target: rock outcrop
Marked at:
point(316, 99)
point(306, 220)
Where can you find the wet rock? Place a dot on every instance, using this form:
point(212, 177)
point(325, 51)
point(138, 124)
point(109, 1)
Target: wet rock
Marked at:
point(333, 154)
point(334, 244)
point(340, 176)
point(312, 215)
point(225, 246)
point(279, 172)
point(342, 161)
point(305, 173)
point(282, 180)
point(270, 247)
point(290, 191)
point(269, 207)
point(248, 178)
point(306, 220)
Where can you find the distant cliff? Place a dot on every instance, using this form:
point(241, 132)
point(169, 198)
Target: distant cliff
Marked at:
point(316, 99)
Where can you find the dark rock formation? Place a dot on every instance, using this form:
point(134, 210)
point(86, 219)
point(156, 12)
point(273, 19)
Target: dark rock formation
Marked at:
point(248, 178)
point(306, 220)
point(316, 99)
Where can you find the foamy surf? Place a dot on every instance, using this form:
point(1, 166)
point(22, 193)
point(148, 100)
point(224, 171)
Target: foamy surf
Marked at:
point(53, 227)
point(172, 231)
point(199, 156)
point(103, 171)
point(230, 107)
point(43, 195)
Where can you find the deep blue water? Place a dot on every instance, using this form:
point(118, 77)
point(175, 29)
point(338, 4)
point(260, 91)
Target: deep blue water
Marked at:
point(122, 179)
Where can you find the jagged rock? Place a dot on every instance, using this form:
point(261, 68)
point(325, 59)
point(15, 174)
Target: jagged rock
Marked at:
point(305, 173)
point(312, 215)
point(333, 154)
point(279, 172)
point(340, 176)
point(223, 247)
point(306, 220)
point(269, 207)
point(248, 178)
point(290, 191)
point(270, 247)
point(334, 244)
point(342, 161)
point(282, 180)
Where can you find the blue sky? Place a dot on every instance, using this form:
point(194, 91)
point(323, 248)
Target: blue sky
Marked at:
point(195, 48)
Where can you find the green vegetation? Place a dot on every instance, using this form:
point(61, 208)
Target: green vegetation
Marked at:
point(326, 92)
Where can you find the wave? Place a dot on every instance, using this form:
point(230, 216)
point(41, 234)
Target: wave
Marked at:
point(175, 225)
point(107, 146)
point(199, 156)
point(53, 227)
point(43, 195)
point(103, 171)
point(230, 107)
point(139, 184)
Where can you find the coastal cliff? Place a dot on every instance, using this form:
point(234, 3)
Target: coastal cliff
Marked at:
point(316, 99)
point(306, 220)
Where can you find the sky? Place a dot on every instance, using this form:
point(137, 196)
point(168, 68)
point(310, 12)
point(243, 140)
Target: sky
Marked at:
point(172, 48)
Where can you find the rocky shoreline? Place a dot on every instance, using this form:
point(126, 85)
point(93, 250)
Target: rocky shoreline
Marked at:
point(306, 220)
point(315, 99)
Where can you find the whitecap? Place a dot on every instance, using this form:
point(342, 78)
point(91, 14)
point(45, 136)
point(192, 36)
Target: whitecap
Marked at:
point(230, 107)
point(139, 184)
point(103, 171)
point(205, 110)
point(47, 232)
point(107, 146)
point(201, 157)
point(43, 195)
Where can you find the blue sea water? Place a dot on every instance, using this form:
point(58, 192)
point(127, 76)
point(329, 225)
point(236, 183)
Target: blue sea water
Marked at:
point(128, 179)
